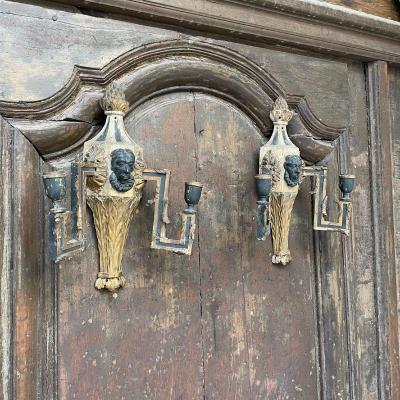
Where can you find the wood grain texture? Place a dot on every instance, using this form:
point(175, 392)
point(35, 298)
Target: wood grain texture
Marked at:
point(382, 8)
point(28, 261)
point(22, 261)
point(331, 313)
point(394, 85)
point(6, 257)
point(214, 324)
point(225, 322)
point(300, 24)
point(381, 164)
point(358, 254)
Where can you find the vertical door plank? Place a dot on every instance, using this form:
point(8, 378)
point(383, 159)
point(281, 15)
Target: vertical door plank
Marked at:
point(223, 308)
point(358, 248)
point(6, 259)
point(28, 197)
point(394, 86)
point(332, 317)
point(381, 164)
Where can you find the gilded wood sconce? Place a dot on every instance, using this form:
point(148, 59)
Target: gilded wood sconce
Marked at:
point(281, 171)
point(110, 176)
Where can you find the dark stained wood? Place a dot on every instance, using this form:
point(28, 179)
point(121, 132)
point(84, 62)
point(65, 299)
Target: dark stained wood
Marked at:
point(358, 249)
point(382, 8)
point(222, 157)
point(331, 314)
point(381, 164)
point(22, 238)
point(6, 258)
point(394, 86)
point(28, 198)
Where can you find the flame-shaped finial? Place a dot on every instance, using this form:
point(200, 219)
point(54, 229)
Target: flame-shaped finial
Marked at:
point(114, 99)
point(281, 112)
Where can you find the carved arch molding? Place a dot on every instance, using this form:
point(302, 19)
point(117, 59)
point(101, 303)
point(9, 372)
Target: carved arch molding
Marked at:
point(61, 123)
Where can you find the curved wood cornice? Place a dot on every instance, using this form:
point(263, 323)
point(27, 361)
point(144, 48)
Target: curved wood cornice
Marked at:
point(58, 124)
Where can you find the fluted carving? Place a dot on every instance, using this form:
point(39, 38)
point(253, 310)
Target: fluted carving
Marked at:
point(114, 191)
point(281, 213)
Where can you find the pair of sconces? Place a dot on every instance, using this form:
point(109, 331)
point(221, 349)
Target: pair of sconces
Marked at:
point(111, 174)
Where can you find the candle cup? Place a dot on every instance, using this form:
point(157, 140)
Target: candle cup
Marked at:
point(263, 188)
point(55, 187)
point(192, 196)
point(346, 185)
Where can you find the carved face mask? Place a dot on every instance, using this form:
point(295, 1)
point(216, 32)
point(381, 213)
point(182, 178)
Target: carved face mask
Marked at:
point(122, 164)
point(292, 170)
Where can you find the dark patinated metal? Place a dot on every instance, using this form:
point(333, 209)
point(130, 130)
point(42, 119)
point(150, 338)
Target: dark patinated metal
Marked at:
point(263, 189)
point(122, 164)
point(192, 195)
point(292, 167)
point(346, 185)
point(55, 186)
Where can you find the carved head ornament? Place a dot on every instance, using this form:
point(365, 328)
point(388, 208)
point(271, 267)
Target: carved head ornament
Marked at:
point(122, 164)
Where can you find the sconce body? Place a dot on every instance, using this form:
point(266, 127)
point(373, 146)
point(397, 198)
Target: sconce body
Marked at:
point(113, 193)
point(280, 162)
point(110, 176)
point(281, 158)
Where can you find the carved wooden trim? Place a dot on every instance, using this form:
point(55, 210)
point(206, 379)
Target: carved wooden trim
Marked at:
point(150, 71)
point(309, 24)
point(381, 166)
point(6, 262)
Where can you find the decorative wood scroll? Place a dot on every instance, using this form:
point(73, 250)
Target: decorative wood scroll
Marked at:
point(110, 176)
point(281, 171)
point(64, 121)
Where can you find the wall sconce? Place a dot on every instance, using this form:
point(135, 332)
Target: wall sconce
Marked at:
point(110, 176)
point(281, 171)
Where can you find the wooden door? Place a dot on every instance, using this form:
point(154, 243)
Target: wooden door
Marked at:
point(223, 323)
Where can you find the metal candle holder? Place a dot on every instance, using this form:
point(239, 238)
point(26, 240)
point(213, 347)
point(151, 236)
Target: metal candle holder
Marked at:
point(109, 176)
point(281, 171)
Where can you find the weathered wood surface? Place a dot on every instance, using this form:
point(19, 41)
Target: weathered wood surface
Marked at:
point(6, 255)
point(394, 85)
point(209, 66)
point(383, 229)
point(22, 263)
point(223, 323)
point(382, 8)
point(219, 318)
point(358, 254)
point(300, 24)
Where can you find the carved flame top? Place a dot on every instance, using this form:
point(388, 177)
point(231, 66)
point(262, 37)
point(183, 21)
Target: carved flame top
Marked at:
point(114, 99)
point(281, 112)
